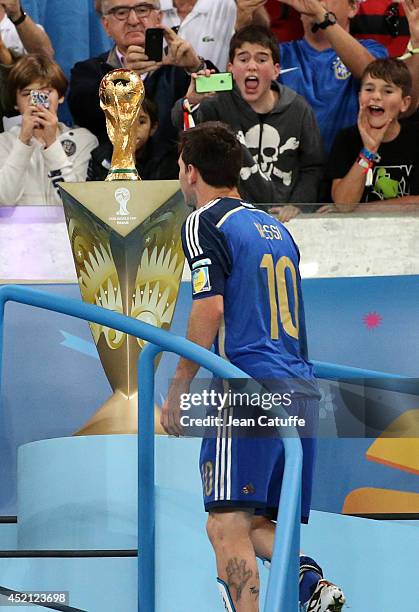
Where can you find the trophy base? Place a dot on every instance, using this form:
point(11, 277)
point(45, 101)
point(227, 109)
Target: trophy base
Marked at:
point(118, 415)
point(123, 174)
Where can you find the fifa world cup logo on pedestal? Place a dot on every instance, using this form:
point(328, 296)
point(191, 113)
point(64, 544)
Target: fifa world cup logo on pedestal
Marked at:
point(122, 196)
point(127, 249)
point(121, 93)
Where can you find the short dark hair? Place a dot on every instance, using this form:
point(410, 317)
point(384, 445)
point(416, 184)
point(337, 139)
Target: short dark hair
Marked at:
point(212, 147)
point(150, 108)
point(391, 70)
point(255, 34)
point(36, 67)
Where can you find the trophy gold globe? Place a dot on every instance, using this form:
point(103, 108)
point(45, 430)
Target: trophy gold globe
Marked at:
point(125, 238)
point(121, 93)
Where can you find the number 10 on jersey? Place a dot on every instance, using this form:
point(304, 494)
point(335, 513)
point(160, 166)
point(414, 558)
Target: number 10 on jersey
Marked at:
point(278, 295)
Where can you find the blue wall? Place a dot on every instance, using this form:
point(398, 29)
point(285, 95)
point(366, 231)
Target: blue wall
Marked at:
point(53, 381)
point(73, 27)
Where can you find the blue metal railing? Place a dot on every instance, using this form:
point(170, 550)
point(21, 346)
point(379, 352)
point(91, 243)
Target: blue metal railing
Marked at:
point(282, 594)
point(369, 378)
point(282, 591)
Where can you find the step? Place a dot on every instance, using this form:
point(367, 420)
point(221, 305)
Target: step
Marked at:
point(8, 532)
point(59, 509)
point(374, 561)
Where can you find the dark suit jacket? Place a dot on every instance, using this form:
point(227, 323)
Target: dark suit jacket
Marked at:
point(164, 86)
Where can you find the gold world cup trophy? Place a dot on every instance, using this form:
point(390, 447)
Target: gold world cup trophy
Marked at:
point(126, 244)
point(121, 93)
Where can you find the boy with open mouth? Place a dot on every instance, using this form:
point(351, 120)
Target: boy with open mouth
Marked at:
point(283, 156)
point(377, 159)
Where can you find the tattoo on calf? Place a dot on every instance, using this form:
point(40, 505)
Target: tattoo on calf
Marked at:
point(237, 575)
point(255, 591)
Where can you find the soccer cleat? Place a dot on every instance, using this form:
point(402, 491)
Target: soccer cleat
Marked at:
point(327, 597)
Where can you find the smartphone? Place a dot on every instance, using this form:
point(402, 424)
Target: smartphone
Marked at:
point(154, 44)
point(39, 98)
point(222, 81)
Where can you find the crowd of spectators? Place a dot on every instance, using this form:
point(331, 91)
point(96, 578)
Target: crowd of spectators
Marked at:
point(319, 109)
point(18, 34)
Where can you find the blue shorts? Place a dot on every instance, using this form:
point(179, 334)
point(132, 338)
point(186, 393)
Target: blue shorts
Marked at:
point(246, 472)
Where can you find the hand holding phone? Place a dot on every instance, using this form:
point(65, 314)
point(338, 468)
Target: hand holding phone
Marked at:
point(221, 81)
point(39, 98)
point(154, 44)
point(33, 117)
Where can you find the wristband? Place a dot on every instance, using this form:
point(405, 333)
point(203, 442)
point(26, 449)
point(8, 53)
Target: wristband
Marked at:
point(365, 163)
point(410, 50)
point(369, 155)
point(367, 166)
point(20, 19)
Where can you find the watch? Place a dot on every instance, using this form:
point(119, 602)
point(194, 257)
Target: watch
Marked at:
point(201, 66)
point(20, 19)
point(328, 20)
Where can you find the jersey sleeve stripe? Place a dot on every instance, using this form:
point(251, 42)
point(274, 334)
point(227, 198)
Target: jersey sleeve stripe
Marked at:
point(196, 233)
point(192, 230)
point(189, 236)
point(192, 227)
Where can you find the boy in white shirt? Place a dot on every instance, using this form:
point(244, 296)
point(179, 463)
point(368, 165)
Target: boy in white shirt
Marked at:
point(41, 152)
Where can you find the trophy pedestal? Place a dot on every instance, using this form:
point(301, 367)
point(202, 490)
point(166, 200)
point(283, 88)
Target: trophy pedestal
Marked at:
point(130, 261)
point(118, 415)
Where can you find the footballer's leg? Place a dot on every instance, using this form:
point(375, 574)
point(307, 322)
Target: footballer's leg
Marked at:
point(316, 593)
point(263, 536)
point(229, 533)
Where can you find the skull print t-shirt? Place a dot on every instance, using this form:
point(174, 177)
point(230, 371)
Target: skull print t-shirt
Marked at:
point(283, 155)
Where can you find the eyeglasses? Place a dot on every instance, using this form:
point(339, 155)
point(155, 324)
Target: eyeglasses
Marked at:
point(123, 12)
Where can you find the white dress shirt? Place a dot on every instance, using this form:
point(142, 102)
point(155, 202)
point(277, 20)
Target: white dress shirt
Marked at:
point(208, 27)
point(10, 36)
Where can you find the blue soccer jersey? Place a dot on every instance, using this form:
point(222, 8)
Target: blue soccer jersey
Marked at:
point(325, 82)
point(251, 259)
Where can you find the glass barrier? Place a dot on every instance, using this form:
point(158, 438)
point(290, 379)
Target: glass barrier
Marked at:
point(34, 244)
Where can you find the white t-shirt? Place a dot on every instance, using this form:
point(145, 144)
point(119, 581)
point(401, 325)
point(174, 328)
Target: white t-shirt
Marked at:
point(208, 27)
point(29, 174)
point(10, 36)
